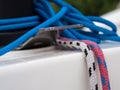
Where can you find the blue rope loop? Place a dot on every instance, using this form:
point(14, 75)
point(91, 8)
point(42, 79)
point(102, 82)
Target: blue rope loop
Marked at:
point(66, 16)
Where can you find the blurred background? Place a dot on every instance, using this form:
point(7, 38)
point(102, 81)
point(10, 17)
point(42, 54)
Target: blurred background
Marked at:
point(94, 7)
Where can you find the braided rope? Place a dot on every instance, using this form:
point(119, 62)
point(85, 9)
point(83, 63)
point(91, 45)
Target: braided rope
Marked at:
point(86, 46)
point(90, 60)
point(101, 62)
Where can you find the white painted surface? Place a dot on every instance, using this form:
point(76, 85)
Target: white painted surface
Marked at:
point(51, 69)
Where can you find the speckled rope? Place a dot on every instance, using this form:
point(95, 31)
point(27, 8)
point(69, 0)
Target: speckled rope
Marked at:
point(98, 53)
point(90, 60)
point(101, 62)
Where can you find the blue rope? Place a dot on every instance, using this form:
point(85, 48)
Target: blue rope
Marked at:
point(32, 32)
point(67, 15)
point(19, 20)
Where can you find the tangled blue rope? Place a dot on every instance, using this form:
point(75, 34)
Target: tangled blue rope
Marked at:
point(67, 15)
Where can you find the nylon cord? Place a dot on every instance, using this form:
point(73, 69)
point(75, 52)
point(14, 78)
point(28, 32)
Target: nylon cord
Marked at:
point(69, 16)
point(87, 47)
point(66, 16)
point(90, 60)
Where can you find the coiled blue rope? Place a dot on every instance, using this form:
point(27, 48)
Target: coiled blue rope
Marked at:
point(67, 15)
